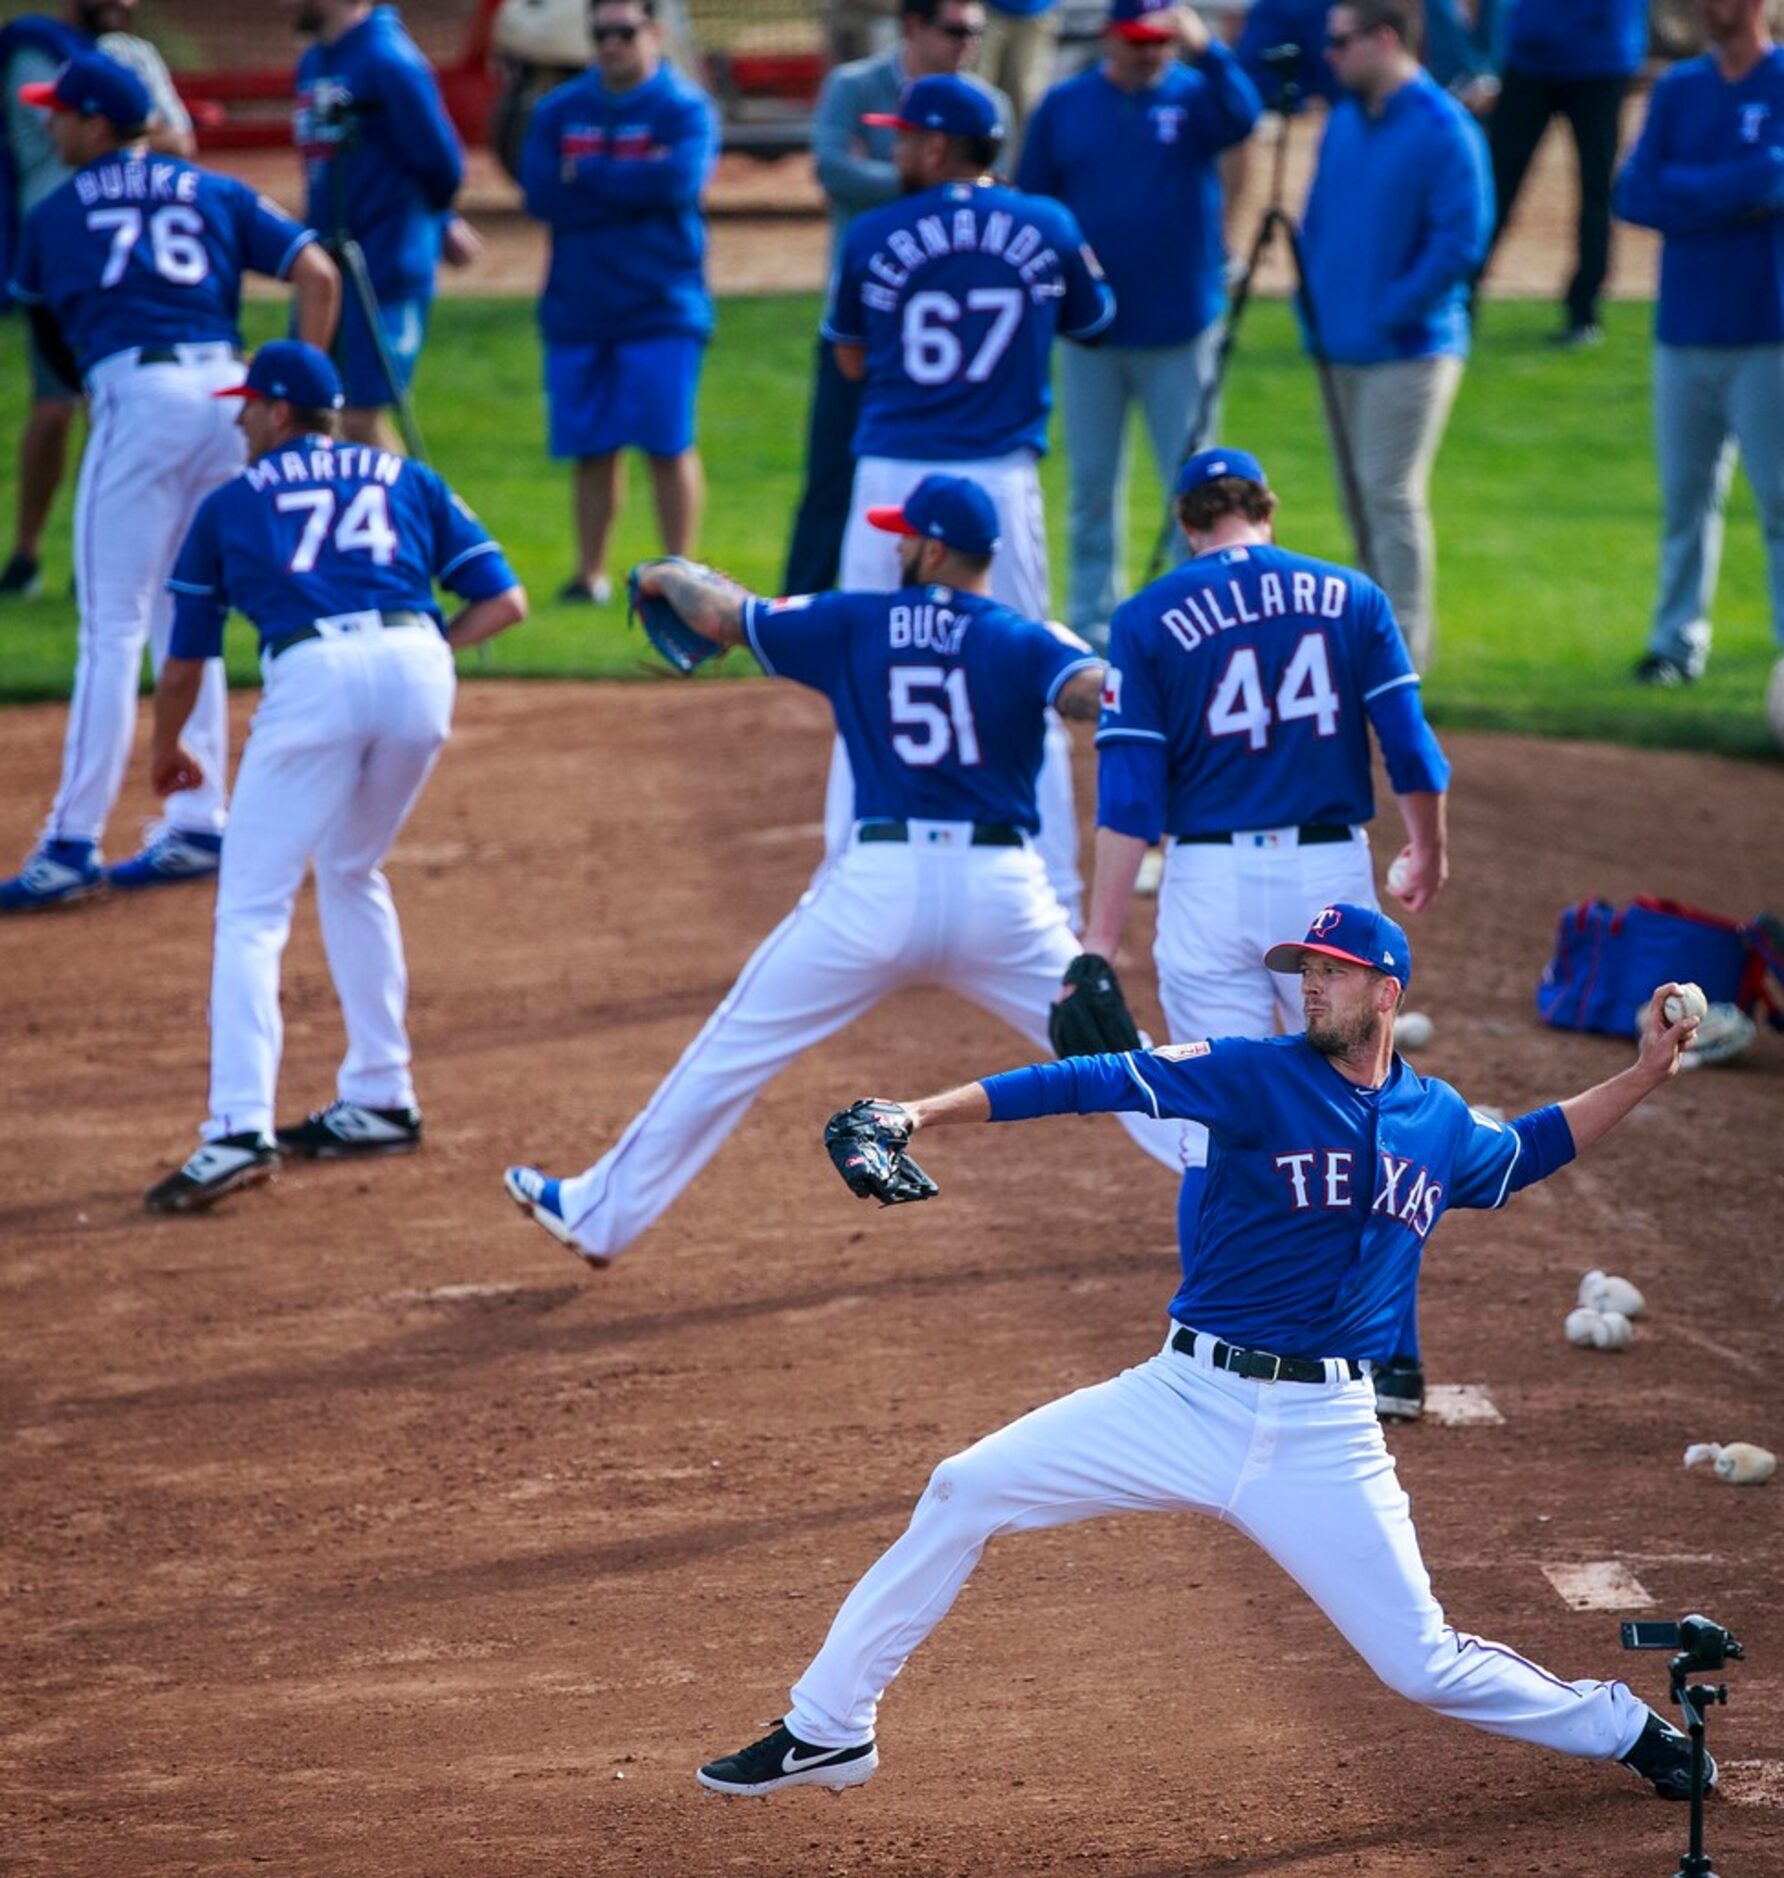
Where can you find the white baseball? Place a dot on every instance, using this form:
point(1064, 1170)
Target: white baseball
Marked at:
point(1581, 1327)
point(1412, 1030)
point(1742, 1464)
point(1687, 1001)
point(1612, 1331)
point(1400, 874)
point(1611, 1293)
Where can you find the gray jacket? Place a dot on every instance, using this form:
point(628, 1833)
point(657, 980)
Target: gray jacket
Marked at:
point(854, 160)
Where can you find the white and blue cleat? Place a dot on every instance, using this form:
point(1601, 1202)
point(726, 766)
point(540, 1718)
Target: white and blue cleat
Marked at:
point(58, 874)
point(541, 1199)
point(171, 855)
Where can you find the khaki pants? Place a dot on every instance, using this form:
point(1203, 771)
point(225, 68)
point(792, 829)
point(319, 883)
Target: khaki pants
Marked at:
point(1394, 417)
point(1017, 57)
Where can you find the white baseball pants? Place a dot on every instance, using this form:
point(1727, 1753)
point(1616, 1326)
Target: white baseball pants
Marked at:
point(1299, 1468)
point(933, 911)
point(339, 750)
point(158, 442)
point(1018, 581)
point(1220, 909)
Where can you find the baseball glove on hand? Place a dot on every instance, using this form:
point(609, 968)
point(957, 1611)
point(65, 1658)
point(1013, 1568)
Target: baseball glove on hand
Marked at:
point(663, 626)
point(1092, 1017)
point(867, 1142)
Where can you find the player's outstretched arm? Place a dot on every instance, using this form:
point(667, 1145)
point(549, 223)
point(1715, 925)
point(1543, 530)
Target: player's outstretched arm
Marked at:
point(1591, 1116)
point(703, 599)
point(968, 1103)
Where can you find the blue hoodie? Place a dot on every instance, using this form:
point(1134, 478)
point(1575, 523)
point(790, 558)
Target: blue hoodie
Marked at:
point(617, 176)
point(401, 162)
point(1396, 227)
point(1578, 38)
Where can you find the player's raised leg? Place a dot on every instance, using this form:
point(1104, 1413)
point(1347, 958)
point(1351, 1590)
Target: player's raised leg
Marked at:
point(833, 957)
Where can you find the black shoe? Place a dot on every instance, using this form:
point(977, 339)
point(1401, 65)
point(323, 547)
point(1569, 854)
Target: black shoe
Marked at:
point(1662, 1755)
point(1400, 1389)
point(219, 1167)
point(579, 592)
point(347, 1131)
point(21, 578)
point(1664, 674)
point(782, 1760)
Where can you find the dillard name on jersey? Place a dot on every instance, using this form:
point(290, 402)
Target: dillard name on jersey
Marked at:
point(1202, 615)
point(1020, 244)
point(1323, 1177)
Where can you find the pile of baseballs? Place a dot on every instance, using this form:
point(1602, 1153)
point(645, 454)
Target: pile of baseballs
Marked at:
point(1603, 1317)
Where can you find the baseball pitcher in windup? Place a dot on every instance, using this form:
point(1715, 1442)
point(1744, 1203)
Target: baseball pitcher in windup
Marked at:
point(1332, 1161)
point(940, 696)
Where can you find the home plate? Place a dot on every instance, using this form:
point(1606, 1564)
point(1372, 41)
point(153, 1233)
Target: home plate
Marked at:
point(1461, 1405)
point(1606, 1585)
point(1753, 1783)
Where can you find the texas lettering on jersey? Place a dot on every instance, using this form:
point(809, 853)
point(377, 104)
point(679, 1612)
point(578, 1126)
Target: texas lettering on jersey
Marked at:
point(1325, 1177)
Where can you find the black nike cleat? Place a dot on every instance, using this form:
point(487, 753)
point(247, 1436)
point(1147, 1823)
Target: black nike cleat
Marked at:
point(1662, 1756)
point(1400, 1389)
point(781, 1760)
point(348, 1131)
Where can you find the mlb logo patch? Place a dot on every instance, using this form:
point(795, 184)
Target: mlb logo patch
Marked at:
point(1181, 1052)
point(1111, 688)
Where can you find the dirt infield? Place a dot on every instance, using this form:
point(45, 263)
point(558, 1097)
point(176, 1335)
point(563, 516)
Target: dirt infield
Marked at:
point(356, 1529)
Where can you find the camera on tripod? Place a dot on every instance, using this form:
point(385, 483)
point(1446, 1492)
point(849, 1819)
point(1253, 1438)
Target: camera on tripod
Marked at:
point(1705, 1645)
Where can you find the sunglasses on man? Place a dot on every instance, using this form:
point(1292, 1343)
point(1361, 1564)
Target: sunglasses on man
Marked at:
point(957, 30)
point(626, 34)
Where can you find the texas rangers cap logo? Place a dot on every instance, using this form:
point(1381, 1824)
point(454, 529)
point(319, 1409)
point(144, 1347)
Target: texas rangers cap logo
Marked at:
point(1324, 920)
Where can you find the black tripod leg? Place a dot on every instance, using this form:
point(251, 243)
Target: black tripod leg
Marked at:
point(1328, 391)
point(352, 262)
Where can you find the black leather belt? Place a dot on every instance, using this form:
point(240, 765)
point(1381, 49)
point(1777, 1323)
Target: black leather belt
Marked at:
point(170, 355)
point(1261, 1365)
point(391, 621)
point(985, 834)
point(1312, 835)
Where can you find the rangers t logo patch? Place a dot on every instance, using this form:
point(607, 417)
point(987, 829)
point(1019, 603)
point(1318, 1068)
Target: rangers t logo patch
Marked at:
point(1324, 920)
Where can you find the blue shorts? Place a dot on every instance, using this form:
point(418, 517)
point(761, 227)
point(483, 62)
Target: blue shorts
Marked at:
point(405, 328)
point(609, 395)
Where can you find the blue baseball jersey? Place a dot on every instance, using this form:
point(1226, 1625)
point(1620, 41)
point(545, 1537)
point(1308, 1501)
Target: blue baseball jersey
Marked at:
point(319, 529)
point(149, 251)
point(939, 696)
point(380, 154)
point(956, 293)
point(1239, 695)
point(1321, 1195)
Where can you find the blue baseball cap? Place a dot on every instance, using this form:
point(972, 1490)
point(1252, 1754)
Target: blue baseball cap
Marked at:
point(1357, 934)
point(1143, 19)
point(942, 103)
point(1208, 466)
point(289, 369)
point(950, 509)
point(91, 85)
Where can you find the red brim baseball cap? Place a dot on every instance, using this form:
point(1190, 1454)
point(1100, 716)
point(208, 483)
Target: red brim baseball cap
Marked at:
point(891, 520)
point(888, 120)
point(1357, 935)
point(1141, 31)
point(42, 94)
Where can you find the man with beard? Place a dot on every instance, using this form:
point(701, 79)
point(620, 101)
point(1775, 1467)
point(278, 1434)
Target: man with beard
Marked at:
point(1242, 690)
point(382, 164)
point(32, 50)
point(1334, 1162)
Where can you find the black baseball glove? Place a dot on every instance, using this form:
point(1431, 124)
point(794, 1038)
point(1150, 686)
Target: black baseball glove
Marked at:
point(663, 626)
point(1092, 1017)
point(867, 1142)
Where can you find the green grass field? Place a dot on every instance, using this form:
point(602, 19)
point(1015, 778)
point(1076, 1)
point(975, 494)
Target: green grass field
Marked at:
point(1545, 497)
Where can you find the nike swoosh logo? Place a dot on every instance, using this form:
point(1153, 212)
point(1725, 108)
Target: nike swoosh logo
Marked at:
point(792, 1761)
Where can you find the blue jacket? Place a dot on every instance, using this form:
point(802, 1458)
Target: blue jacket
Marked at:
point(397, 163)
point(1578, 38)
point(1708, 173)
point(617, 176)
point(1138, 170)
point(30, 34)
point(1396, 227)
